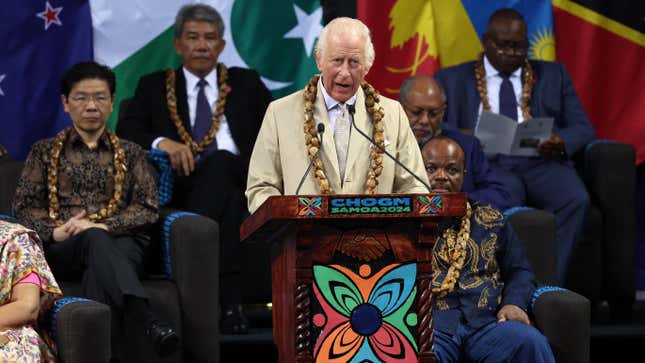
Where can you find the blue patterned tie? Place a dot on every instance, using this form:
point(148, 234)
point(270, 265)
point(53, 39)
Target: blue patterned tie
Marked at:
point(507, 100)
point(203, 118)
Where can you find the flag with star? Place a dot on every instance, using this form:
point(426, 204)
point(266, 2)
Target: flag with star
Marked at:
point(276, 38)
point(412, 36)
point(40, 40)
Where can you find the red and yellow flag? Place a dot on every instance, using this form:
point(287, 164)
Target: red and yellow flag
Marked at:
point(603, 48)
point(404, 40)
point(412, 36)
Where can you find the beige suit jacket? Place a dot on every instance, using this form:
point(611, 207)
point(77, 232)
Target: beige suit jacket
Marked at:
point(279, 158)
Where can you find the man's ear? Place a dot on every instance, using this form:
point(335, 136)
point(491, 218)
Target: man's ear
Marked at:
point(485, 38)
point(318, 58)
point(220, 47)
point(175, 44)
point(64, 101)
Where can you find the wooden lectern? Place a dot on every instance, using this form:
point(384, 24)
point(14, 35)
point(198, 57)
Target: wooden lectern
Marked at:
point(351, 274)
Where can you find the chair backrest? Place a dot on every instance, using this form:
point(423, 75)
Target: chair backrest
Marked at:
point(125, 103)
point(536, 228)
point(10, 171)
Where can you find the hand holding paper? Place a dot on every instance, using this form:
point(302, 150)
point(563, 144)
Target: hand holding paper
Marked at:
point(502, 135)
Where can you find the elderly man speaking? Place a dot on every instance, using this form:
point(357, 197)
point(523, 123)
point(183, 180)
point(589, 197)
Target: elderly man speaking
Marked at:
point(342, 103)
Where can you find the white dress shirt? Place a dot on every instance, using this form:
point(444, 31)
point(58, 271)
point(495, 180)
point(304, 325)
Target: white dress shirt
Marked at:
point(224, 139)
point(494, 83)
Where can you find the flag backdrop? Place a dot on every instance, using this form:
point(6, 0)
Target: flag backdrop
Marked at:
point(602, 43)
point(603, 48)
point(137, 38)
point(412, 36)
point(39, 41)
point(134, 38)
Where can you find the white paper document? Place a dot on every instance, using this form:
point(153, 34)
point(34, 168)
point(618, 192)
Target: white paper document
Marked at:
point(502, 135)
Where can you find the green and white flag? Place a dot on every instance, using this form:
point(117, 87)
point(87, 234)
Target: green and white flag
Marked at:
point(276, 38)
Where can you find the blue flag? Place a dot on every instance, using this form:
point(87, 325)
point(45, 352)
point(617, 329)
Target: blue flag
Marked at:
point(40, 41)
point(537, 14)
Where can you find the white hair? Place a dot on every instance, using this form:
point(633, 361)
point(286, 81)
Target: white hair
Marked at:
point(346, 25)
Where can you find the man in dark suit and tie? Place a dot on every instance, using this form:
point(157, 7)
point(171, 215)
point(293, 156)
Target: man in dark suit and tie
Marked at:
point(503, 80)
point(424, 102)
point(206, 117)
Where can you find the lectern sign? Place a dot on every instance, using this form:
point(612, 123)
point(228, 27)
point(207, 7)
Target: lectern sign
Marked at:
point(352, 274)
point(356, 205)
point(370, 205)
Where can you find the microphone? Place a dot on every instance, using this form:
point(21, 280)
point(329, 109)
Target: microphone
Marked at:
point(321, 130)
point(352, 109)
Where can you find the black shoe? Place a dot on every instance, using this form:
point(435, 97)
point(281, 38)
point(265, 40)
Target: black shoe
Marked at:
point(163, 337)
point(234, 321)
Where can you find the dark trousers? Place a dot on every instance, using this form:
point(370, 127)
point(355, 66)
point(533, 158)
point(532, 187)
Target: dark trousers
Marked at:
point(510, 341)
point(550, 185)
point(216, 190)
point(108, 266)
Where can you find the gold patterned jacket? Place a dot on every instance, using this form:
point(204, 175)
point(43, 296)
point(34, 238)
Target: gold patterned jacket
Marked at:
point(496, 272)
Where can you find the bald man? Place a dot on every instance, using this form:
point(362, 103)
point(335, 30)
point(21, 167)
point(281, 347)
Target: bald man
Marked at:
point(480, 316)
point(424, 103)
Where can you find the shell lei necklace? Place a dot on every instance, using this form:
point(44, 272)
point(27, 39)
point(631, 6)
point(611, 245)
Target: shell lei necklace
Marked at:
point(456, 243)
point(312, 143)
point(171, 97)
point(527, 86)
point(52, 178)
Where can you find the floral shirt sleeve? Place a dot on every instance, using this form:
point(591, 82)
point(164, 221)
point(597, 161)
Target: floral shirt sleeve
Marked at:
point(30, 203)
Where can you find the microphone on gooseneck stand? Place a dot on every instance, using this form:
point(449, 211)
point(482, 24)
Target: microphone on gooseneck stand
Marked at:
point(321, 130)
point(352, 109)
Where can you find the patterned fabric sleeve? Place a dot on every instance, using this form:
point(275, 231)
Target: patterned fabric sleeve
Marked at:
point(20, 256)
point(140, 193)
point(30, 202)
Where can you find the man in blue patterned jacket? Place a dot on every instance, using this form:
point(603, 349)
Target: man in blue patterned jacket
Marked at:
point(482, 280)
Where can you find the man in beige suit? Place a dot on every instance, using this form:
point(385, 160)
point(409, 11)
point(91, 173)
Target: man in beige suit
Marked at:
point(348, 163)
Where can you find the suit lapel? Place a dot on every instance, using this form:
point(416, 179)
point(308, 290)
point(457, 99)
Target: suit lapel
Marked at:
point(535, 102)
point(475, 99)
point(182, 98)
point(358, 145)
point(329, 148)
point(238, 117)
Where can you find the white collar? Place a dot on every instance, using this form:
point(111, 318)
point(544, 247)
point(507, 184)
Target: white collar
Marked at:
point(330, 102)
point(492, 72)
point(191, 80)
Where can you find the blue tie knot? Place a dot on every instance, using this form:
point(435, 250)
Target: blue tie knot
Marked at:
point(202, 83)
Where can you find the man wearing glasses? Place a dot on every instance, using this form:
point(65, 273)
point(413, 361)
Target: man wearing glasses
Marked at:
point(425, 104)
point(91, 197)
point(504, 81)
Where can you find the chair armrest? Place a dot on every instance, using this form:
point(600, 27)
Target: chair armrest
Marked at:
point(564, 317)
point(165, 176)
point(81, 329)
point(536, 229)
point(193, 245)
point(609, 172)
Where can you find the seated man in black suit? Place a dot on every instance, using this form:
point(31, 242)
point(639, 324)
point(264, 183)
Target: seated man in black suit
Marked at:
point(207, 117)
